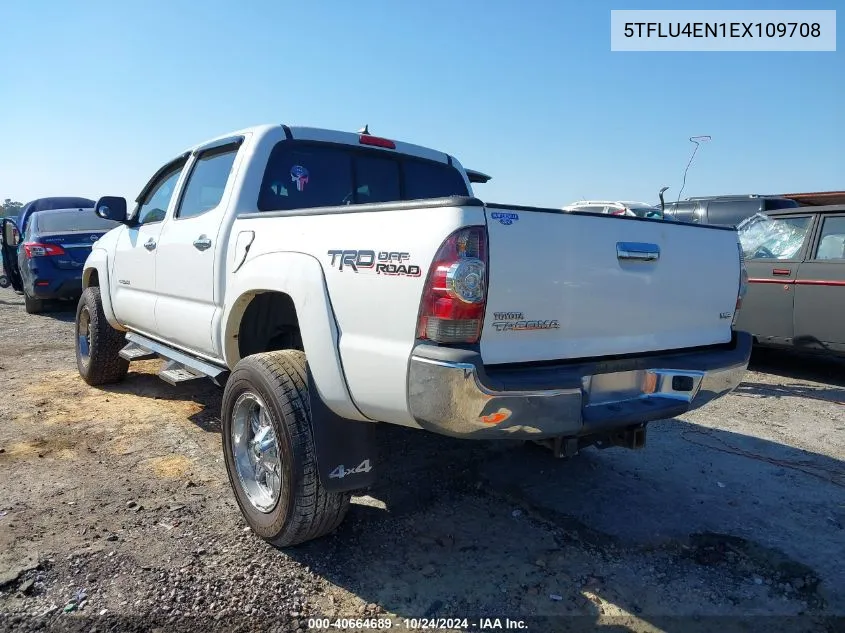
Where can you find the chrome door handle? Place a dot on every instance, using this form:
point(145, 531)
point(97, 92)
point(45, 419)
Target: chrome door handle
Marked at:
point(150, 244)
point(202, 243)
point(641, 251)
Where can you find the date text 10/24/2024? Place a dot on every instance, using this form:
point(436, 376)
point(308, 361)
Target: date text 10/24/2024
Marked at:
point(418, 624)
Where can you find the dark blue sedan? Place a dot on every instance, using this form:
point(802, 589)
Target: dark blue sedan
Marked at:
point(53, 251)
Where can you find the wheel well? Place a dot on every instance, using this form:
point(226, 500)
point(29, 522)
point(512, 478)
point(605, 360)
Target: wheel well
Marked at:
point(269, 323)
point(92, 279)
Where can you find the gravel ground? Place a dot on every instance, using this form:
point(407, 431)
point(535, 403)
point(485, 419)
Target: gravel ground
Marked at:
point(116, 514)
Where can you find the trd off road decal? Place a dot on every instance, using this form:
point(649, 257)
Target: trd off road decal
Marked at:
point(392, 263)
point(516, 322)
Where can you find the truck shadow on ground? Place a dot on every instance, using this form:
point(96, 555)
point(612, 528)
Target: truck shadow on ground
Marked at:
point(703, 520)
point(834, 395)
point(493, 529)
point(686, 526)
point(802, 366)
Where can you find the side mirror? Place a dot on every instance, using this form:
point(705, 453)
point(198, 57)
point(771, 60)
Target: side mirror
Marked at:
point(111, 208)
point(11, 235)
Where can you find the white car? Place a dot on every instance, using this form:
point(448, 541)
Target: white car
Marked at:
point(615, 207)
point(333, 282)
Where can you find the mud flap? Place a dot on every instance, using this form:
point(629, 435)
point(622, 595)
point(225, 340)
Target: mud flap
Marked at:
point(345, 449)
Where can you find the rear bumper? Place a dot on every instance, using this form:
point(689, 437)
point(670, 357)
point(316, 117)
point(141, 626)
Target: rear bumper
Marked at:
point(450, 392)
point(56, 289)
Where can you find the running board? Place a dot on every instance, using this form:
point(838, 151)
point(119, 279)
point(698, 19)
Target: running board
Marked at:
point(133, 351)
point(175, 373)
point(180, 366)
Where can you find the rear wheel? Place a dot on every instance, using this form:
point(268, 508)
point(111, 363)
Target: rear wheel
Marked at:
point(269, 451)
point(32, 306)
point(97, 342)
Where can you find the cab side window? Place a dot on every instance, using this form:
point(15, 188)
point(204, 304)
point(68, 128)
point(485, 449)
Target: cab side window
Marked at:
point(832, 239)
point(207, 181)
point(153, 207)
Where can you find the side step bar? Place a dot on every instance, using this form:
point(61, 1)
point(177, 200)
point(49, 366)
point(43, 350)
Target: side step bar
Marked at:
point(180, 366)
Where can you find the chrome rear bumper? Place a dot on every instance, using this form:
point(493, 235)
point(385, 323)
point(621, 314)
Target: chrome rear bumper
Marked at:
point(450, 391)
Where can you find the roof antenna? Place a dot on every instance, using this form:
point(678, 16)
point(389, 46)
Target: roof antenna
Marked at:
point(365, 130)
point(698, 140)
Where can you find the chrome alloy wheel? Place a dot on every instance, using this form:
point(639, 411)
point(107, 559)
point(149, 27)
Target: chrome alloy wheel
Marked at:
point(255, 449)
point(83, 333)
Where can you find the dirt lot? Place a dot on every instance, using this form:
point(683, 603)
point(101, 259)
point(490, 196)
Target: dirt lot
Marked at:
point(116, 514)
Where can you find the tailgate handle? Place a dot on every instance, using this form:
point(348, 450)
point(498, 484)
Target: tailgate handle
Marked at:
point(641, 251)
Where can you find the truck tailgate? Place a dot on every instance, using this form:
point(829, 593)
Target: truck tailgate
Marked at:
point(565, 285)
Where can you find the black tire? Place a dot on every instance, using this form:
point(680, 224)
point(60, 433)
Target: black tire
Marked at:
point(304, 510)
point(32, 306)
point(101, 365)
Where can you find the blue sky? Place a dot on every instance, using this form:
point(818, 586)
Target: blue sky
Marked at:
point(97, 95)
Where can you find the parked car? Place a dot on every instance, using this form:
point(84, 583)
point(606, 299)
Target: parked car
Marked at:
point(725, 210)
point(52, 253)
point(333, 281)
point(48, 204)
point(12, 228)
point(615, 207)
point(796, 265)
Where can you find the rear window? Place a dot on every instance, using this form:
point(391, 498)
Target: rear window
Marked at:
point(62, 202)
point(306, 175)
point(86, 220)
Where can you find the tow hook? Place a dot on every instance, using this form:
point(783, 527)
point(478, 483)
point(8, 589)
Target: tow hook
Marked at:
point(633, 437)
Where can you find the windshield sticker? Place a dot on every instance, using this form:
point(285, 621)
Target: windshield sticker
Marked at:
point(299, 175)
point(504, 218)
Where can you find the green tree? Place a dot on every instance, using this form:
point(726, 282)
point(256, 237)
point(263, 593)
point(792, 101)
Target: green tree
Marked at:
point(10, 208)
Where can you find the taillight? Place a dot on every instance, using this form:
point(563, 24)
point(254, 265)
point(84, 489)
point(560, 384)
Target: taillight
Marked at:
point(455, 292)
point(366, 139)
point(743, 283)
point(34, 249)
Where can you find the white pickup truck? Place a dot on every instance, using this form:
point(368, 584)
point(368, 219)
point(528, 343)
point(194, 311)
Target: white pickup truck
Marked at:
point(332, 281)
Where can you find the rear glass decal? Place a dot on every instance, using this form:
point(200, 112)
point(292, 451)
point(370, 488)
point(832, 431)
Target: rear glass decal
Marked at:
point(299, 175)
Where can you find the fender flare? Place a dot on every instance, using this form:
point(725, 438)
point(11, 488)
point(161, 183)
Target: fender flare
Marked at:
point(344, 438)
point(98, 261)
point(301, 277)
